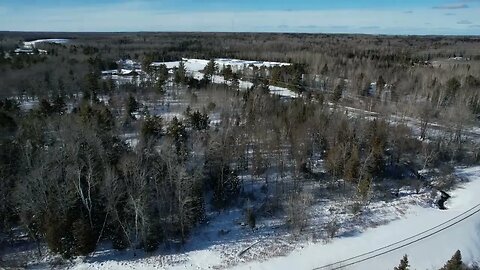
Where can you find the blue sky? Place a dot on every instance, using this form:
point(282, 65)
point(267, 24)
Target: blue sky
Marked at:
point(455, 17)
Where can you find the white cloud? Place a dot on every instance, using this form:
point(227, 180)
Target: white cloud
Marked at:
point(464, 22)
point(452, 6)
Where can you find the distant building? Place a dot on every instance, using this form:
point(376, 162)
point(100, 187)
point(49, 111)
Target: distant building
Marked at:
point(19, 51)
point(129, 64)
point(128, 71)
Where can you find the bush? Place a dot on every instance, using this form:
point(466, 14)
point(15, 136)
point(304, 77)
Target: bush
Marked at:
point(118, 238)
point(57, 237)
point(332, 228)
point(153, 238)
point(297, 210)
point(84, 236)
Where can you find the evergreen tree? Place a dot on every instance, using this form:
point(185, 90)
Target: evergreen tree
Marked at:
point(210, 70)
point(162, 73)
point(403, 264)
point(334, 161)
point(376, 162)
point(353, 165)
point(380, 85)
point(58, 105)
point(152, 127)
point(337, 93)
point(132, 105)
point(180, 75)
point(364, 186)
point(92, 86)
point(162, 77)
point(452, 87)
point(176, 130)
point(227, 73)
point(199, 121)
point(455, 263)
point(45, 108)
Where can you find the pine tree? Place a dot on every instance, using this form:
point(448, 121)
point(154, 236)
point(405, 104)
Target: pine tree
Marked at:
point(337, 93)
point(210, 70)
point(452, 87)
point(334, 162)
point(364, 186)
point(176, 130)
point(132, 105)
point(58, 105)
point(380, 85)
point(403, 264)
point(227, 73)
point(376, 164)
point(162, 77)
point(180, 74)
point(91, 87)
point(353, 165)
point(455, 263)
point(152, 127)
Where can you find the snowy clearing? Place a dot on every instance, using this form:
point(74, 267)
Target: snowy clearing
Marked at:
point(33, 43)
point(236, 64)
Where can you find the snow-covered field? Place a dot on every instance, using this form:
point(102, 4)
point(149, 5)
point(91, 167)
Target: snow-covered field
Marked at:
point(195, 67)
point(235, 64)
point(225, 244)
point(32, 44)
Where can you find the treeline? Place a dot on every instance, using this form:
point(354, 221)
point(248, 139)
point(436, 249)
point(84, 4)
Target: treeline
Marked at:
point(344, 65)
point(455, 263)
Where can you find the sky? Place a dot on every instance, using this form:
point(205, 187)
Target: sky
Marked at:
point(402, 17)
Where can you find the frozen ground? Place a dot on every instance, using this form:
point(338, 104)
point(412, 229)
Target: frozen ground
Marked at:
point(224, 243)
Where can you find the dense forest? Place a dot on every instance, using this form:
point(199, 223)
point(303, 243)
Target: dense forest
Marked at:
point(86, 161)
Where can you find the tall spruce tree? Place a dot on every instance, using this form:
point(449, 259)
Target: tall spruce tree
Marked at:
point(403, 264)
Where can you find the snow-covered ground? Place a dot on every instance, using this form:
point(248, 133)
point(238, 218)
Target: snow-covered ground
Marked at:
point(429, 253)
point(235, 64)
point(224, 243)
point(33, 43)
point(195, 67)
